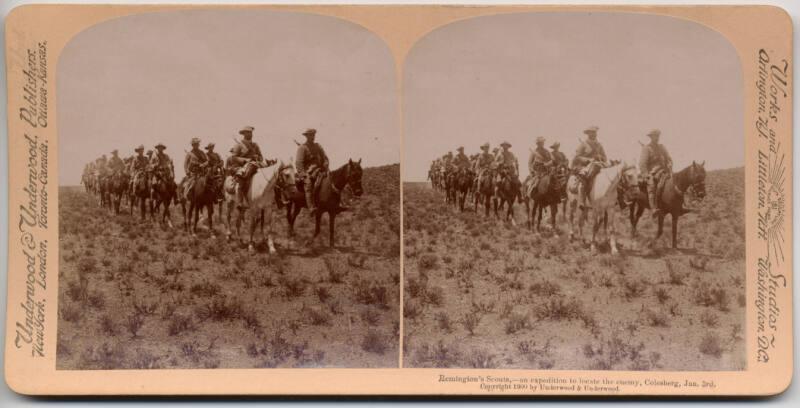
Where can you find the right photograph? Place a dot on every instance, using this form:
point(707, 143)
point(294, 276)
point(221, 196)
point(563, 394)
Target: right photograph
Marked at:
point(573, 195)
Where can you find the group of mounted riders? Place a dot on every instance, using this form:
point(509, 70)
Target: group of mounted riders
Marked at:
point(501, 164)
point(142, 177)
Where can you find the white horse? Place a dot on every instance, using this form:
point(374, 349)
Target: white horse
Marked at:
point(260, 205)
point(609, 186)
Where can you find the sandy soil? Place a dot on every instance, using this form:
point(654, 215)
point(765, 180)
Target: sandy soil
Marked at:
point(482, 293)
point(137, 296)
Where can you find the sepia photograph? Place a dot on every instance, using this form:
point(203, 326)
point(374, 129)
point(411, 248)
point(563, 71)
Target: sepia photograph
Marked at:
point(574, 195)
point(229, 193)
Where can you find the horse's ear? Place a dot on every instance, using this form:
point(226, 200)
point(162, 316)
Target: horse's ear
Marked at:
point(359, 161)
point(694, 163)
point(703, 164)
point(350, 161)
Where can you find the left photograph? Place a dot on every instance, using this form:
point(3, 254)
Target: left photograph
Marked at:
point(229, 193)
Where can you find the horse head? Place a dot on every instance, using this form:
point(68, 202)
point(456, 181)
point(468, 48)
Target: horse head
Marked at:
point(628, 186)
point(353, 177)
point(287, 179)
point(697, 179)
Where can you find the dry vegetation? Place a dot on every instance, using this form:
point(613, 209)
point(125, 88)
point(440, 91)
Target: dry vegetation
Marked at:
point(136, 296)
point(483, 294)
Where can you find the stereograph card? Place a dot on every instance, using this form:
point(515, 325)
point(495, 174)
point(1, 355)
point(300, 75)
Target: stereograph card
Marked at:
point(399, 200)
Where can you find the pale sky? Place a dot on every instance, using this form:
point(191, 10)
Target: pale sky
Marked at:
point(516, 77)
point(172, 76)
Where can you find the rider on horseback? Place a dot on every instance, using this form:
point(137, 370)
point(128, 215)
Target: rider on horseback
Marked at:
point(461, 161)
point(193, 165)
point(655, 163)
point(214, 160)
point(539, 163)
point(115, 164)
point(138, 167)
point(483, 165)
point(505, 161)
point(559, 158)
point(589, 151)
point(161, 166)
point(311, 161)
point(245, 151)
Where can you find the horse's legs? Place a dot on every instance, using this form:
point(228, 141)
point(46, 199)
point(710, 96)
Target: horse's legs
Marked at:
point(660, 226)
point(674, 230)
point(612, 232)
point(211, 218)
point(553, 214)
point(331, 223)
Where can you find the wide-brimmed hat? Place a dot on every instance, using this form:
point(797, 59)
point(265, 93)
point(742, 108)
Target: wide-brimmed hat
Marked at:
point(591, 130)
point(210, 146)
point(195, 141)
point(310, 132)
point(149, 151)
point(506, 144)
point(540, 139)
point(115, 151)
point(140, 148)
point(460, 148)
point(554, 145)
point(485, 146)
point(654, 132)
point(161, 145)
point(246, 129)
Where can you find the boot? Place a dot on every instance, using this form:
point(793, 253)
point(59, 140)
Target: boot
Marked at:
point(309, 190)
point(651, 198)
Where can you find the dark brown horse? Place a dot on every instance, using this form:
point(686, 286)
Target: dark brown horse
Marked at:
point(463, 184)
point(202, 195)
point(117, 187)
point(547, 193)
point(484, 191)
point(507, 191)
point(331, 186)
point(140, 193)
point(163, 193)
point(691, 180)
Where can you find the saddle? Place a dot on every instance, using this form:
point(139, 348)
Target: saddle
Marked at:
point(316, 176)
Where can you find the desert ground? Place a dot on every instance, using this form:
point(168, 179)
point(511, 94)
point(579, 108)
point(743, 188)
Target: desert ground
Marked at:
point(138, 296)
point(482, 293)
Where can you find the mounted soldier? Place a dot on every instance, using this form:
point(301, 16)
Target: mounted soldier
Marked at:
point(138, 166)
point(311, 161)
point(244, 152)
point(447, 161)
point(484, 163)
point(115, 164)
point(214, 160)
point(194, 165)
point(506, 161)
point(539, 162)
point(590, 150)
point(461, 161)
point(559, 158)
point(655, 163)
point(161, 166)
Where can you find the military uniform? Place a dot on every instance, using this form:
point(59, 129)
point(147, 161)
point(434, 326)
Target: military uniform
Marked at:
point(559, 159)
point(506, 160)
point(161, 167)
point(589, 150)
point(310, 161)
point(656, 164)
point(214, 160)
point(461, 161)
point(115, 164)
point(138, 166)
point(483, 163)
point(538, 162)
point(193, 165)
